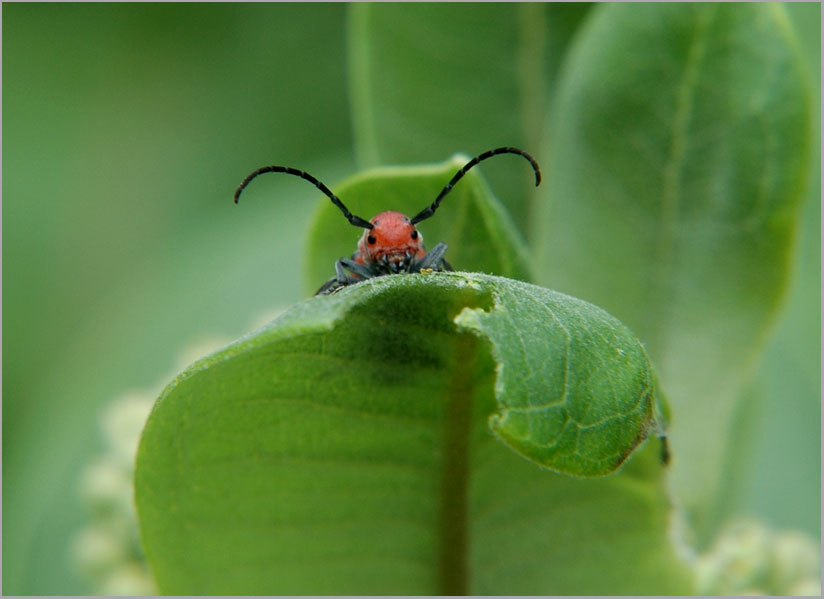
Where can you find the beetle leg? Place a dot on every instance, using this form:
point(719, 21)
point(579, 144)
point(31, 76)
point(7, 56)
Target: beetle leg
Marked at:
point(359, 270)
point(434, 259)
point(329, 287)
point(340, 273)
point(341, 279)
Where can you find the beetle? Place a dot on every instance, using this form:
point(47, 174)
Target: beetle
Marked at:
point(391, 243)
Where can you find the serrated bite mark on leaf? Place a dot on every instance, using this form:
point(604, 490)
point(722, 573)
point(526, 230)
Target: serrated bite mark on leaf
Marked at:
point(574, 387)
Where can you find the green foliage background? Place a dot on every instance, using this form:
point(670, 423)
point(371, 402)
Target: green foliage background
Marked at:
point(125, 130)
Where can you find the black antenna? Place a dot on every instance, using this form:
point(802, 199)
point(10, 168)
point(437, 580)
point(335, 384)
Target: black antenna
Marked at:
point(429, 211)
point(353, 219)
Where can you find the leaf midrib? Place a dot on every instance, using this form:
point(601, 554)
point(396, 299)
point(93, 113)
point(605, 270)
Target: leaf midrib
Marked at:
point(453, 559)
point(665, 246)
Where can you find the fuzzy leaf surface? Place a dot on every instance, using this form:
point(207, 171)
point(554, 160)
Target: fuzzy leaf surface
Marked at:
point(354, 446)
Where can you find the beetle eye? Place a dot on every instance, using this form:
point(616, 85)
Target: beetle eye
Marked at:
point(414, 234)
point(371, 239)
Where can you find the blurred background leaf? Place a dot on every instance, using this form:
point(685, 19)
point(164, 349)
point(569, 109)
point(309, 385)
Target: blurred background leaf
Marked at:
point(125, 130)
point(682, 146)
point(781, 480)
point(415, 82)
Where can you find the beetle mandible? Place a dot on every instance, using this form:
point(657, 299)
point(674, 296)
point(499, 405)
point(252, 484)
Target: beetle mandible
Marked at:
point(391, 243)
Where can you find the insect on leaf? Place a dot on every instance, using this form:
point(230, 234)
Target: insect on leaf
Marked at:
point(477, 229)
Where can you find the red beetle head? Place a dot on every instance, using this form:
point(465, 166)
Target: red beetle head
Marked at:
point(392, 238)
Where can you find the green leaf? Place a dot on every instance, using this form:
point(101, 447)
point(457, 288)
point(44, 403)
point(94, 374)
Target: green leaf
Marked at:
point(578, 421)
point(681, 140)
point(415, 74)
point(346, 449)
point(477, 229)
